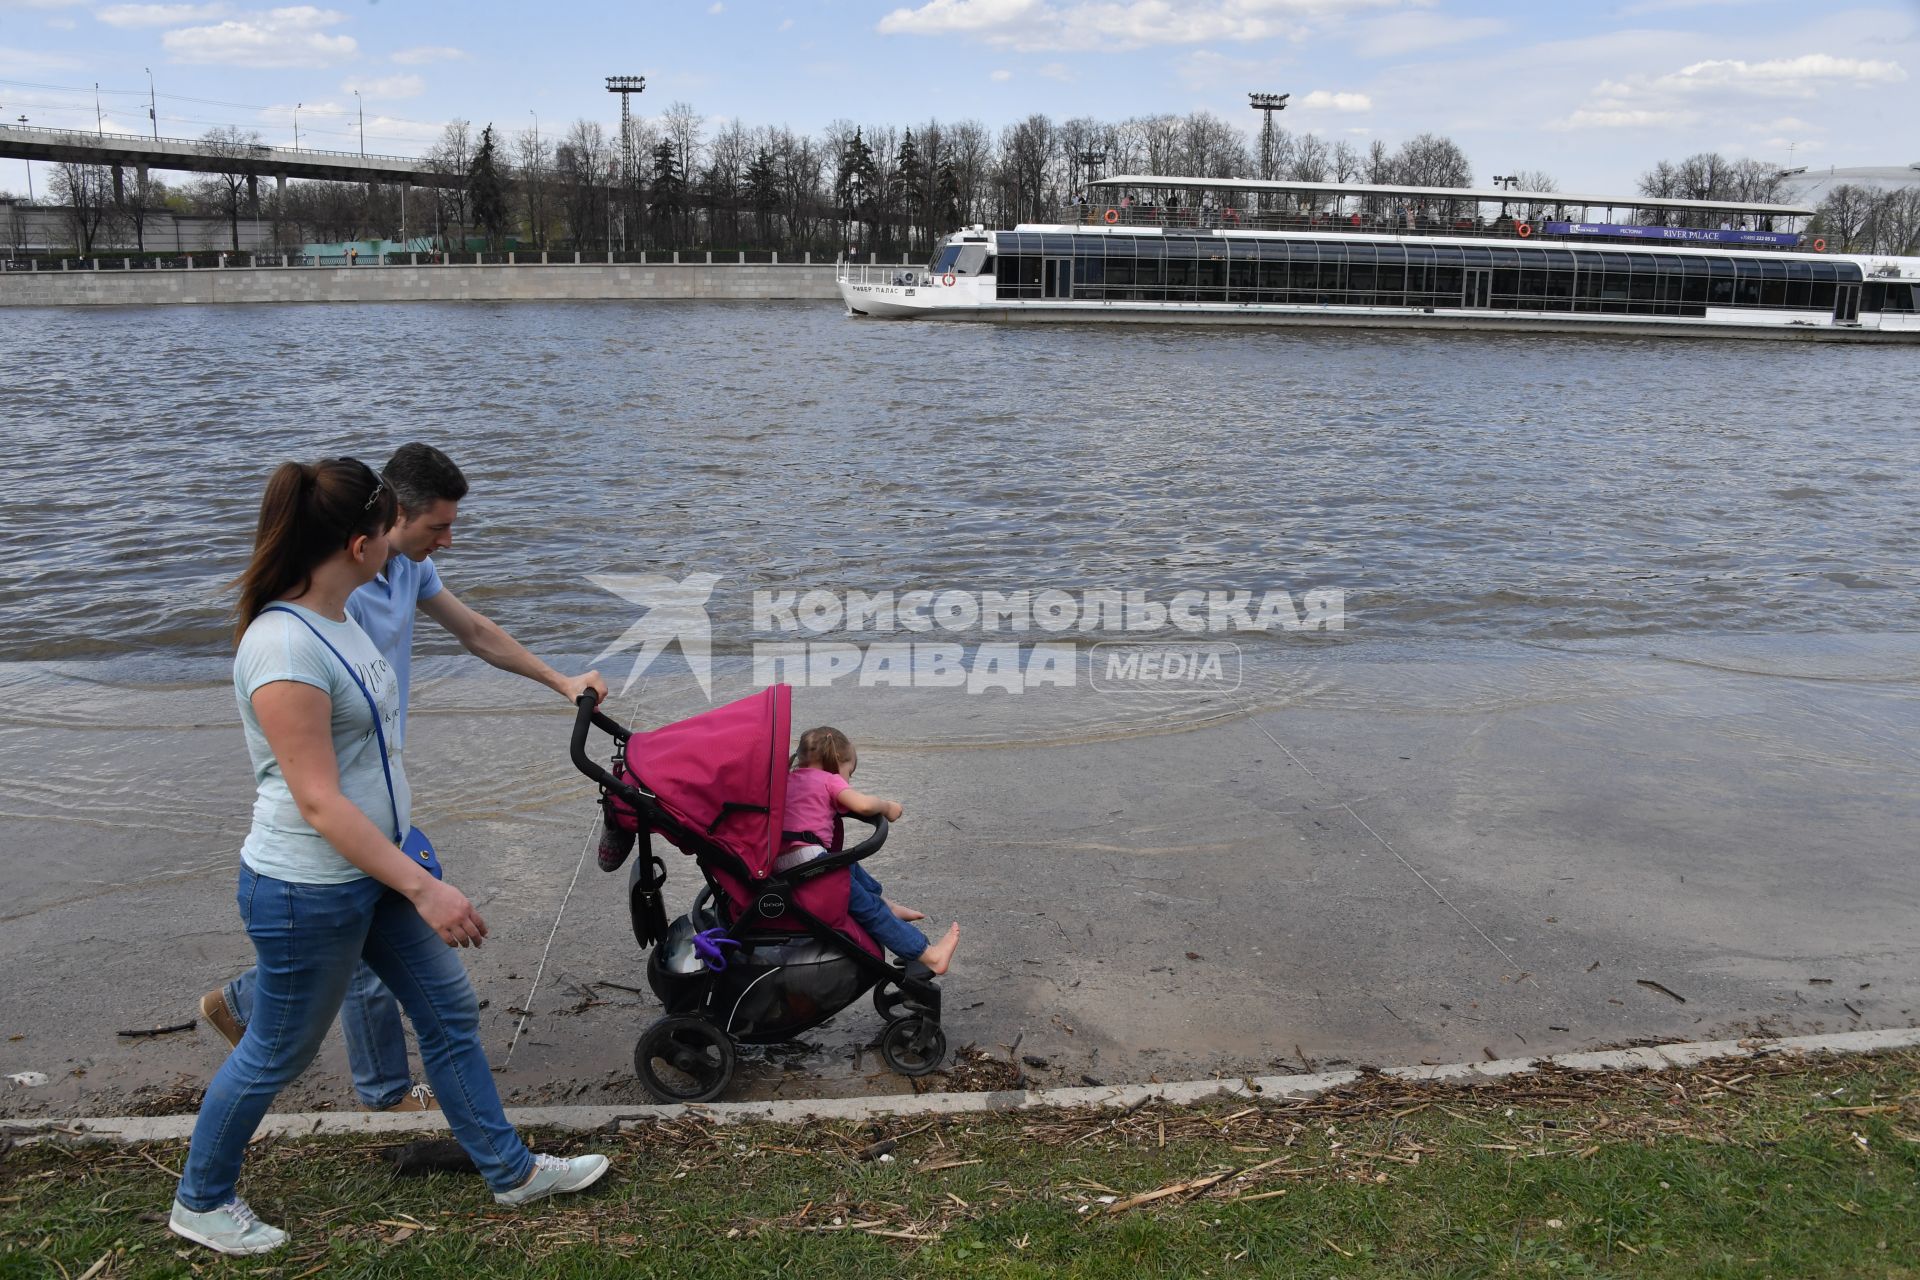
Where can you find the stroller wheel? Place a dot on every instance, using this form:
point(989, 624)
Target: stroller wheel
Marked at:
point(889, 1000)
point(913, 1045)
point(684, 1059)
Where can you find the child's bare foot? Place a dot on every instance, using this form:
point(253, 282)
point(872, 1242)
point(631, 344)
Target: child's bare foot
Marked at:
point(939, 955)
point(904, 913)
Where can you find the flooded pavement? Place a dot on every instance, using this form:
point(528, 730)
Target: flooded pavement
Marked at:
point(1396, 852)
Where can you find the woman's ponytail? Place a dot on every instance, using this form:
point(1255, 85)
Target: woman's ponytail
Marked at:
point(308, 512)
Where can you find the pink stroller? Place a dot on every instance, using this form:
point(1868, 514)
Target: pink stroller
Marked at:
point(761, 956)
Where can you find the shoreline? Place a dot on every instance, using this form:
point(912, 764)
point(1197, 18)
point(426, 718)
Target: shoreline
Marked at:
point(1433, 855)
point(563, 281)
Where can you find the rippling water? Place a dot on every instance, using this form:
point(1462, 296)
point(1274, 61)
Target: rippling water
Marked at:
point(1499, 487)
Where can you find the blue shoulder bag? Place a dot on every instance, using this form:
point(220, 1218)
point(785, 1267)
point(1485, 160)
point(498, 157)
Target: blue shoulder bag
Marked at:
point(414, 843)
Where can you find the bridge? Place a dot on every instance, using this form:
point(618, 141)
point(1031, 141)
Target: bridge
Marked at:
point(256, 160)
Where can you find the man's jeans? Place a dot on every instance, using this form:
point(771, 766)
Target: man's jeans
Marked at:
point(370, 1019)
point(307, 939)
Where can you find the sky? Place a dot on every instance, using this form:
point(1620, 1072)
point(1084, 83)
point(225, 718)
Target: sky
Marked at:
point(1591, 93)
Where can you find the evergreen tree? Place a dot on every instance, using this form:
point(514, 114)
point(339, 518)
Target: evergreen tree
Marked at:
point(946, 198)
point(763, 192)
point(669, 193)
point(487, 191)
point(909, 177)
point(853, 185)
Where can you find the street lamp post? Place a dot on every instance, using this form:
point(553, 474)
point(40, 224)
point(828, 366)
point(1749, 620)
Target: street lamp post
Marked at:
point(296, 124)
point(30, 199)
point(361, 103)
point(99, 121)
point(153, 112)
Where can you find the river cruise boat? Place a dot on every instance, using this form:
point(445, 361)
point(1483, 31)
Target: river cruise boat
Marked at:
point(1233, 251)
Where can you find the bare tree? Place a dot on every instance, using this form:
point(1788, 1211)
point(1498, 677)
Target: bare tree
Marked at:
point(232, 186)
point(532, 160)
point(1843, 216)
point(451, 156)
point(86, 192)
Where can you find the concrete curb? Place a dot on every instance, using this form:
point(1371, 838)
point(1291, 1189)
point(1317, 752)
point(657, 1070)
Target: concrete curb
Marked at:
point(1652, 1058)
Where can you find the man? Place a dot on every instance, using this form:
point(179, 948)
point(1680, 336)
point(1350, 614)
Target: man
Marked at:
point(428, 488)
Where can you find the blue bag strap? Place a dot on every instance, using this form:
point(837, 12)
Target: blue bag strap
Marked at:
point(392, 800)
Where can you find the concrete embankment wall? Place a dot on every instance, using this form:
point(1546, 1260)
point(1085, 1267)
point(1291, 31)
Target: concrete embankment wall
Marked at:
point(741, 282)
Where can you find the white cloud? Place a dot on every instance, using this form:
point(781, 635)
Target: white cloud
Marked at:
point(1001, 74)
point(32, 60)
point(1204, 71)
point(157, 15)
point(291, 37)
point(427, 54)
point(1322, 100)
point(1669, 6)
point(1800, 77)
point(40, 4)
point(1032, 25)
point(387, 87)
point(786, 24)
point(1401, 33)
point(1585, 118)
point(1058, 71)
point(716, 7)
point(62, 24)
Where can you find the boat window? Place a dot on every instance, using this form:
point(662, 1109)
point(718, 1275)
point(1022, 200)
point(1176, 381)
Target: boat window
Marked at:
point(968, 262)
point(946, 259)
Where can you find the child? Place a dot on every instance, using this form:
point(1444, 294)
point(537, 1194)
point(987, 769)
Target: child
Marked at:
point(817, 788)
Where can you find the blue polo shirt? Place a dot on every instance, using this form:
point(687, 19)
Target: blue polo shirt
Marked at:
point(384, 608)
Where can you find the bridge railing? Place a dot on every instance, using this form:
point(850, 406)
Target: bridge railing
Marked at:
point(198, 146)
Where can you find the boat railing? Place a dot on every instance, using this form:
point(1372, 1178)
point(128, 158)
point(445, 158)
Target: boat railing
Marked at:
point(911, 274)
point(1230, 218)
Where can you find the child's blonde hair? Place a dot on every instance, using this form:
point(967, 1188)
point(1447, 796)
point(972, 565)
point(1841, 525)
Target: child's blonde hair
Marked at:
point(822, 748)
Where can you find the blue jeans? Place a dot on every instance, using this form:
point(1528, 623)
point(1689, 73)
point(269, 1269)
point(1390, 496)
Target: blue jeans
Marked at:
point(308, 939)
point(869, 910)
point(370, 1019)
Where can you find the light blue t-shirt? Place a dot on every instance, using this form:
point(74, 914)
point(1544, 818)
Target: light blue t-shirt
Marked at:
point(282, 844)
point(385, 608)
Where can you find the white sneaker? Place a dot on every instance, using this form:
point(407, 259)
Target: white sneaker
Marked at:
point(554, 1176)
point(231, 1228)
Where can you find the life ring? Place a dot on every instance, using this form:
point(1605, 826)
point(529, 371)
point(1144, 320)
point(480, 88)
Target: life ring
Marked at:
point(947, 279)
point(1819, 244)
point(1523, 229)
point(1112, 216)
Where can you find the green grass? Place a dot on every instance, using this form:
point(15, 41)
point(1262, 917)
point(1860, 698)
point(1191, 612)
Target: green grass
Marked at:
point(1740, 1169)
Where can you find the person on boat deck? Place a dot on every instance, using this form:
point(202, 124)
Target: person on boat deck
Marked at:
point(428, 488)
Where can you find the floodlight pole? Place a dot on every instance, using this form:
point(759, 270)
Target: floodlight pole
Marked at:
point(626, 86)
point(1089, 161)
point(1266, 104)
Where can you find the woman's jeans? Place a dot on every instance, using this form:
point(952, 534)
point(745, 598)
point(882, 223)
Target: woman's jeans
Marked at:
point(871, 912)
point(309, 939)
point(370, 1020)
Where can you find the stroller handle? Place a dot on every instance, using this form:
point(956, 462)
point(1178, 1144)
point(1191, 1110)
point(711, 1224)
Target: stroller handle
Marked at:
point(584, 718)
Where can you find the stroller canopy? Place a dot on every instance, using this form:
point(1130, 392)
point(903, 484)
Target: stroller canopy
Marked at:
point(723, 773)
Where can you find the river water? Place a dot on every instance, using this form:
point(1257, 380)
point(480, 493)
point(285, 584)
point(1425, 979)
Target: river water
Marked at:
point(1499, 488)
point(1630, 628)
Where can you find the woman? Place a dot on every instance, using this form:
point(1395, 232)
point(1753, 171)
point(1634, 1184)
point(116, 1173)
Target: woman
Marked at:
point(323, 881)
